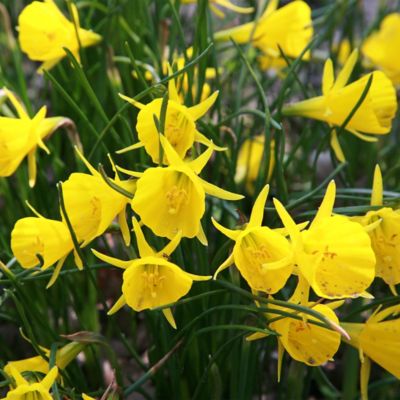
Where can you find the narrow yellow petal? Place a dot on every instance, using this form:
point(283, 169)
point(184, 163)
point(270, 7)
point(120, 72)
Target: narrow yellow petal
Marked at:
point(32, 171)
point(78, 261)
point(287, 220)
point(170, 318)
point(56, 272)
point(217, 11)
point(200, 138)
point(327, 77)
point(272, 6)
point(172, 245)
point(377, 188)
point(172, 155)
point(135, 103)
point(326, 207)
point(257, 213)
point(17, 105)
point(172, 90)
point(86, 162)
point(337, 149)
point(117, 306)
point(19, 379)
point(241, 10)
point(145, 249)
point(230, 233)
point(226, 264)
point(123, 225)
point(344, 74)
point(111, 260)
point(48, 65)
point(49, 379)
point(200, 109)
point(202, 236)
point(200, 162)
point(216, 191)
point(256, 336)
point(135, 146)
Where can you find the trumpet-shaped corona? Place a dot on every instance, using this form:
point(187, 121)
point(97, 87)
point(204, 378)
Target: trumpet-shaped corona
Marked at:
point(373, 116)
point(44, 32)
point(172, 199)
point(262, 255)
point(151, 281)
point(334, 254)
point(288, 28)
point(20, 137)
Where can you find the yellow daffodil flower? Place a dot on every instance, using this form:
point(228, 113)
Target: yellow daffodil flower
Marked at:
point(20, 137)
point(249, 161)
point(373, 116)
point(172, 198)
point(260, 254)
point(381, 47)
point(385, 237)
point(24, 389)
point(92, 205)
point(39, 240)
point(289, 27)
point(377, 340)
point(334, 254)
point(151, 281)
point(44, 32)
point(180, 124)
point(225, 4)
point(305, 342)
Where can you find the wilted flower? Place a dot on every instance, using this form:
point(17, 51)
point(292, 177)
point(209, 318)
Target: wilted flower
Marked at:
point(381, 47)
point(23, 389)
point(261, 255)
point(20, 137)
point(373, 116)
point(249, 162)
point(172, 199)
point(151, 281)
point(225, 4)
point(92, 205)
point(179, 128)
point(379, 340)
point(334, 254)
point(289, 28)
point(385, 236)
point(44, 32)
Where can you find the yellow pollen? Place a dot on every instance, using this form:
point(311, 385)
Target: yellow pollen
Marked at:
point(259, 254)
point(152, 279)
point(175, 198)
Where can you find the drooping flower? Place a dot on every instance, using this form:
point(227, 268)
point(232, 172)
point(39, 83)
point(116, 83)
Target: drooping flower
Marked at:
point(381, 47)
point(225, 4)
point(289, 28)
point(171, 199)
point(23, 389)
point(374, 115)
point(334, 254)
point(377, 340)
point(151, 281)
point(179, 128)
point(92, 205)
point(249, 162)
point(41, 241)
point(20, 137)
point(261, 255)
point(44, 32)
point(385, 237)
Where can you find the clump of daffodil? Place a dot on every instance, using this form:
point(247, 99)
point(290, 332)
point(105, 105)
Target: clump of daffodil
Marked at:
point(333, 254)
point(171, 199)
point(64, 356)
point(22, 389)
point(92, 205)
point(44, 32)
point(249, 162)
point(289, 28)
point(385, 237)
point(378, 340)
point(306, 342)
point(381, 47)
point(151, 281)
point(374, 115)
point(41, 241)
point(261, 255)
point(20, 137)
point(179, 127)
point(214, 4)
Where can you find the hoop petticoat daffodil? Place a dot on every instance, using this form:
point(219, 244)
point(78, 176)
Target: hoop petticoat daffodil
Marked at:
point(171, 199)
point(262, 256)
point(378, 340)
point(39, 240)
point(20, 137)
point(381, 47)
point(289, 27)
point(334, 254)
point(179, 128)
point(225, 4)
point(44, 32)
point(92, 205)
point(373, 116)
point(151, 281)
point(24, 390)
point(385, 237)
